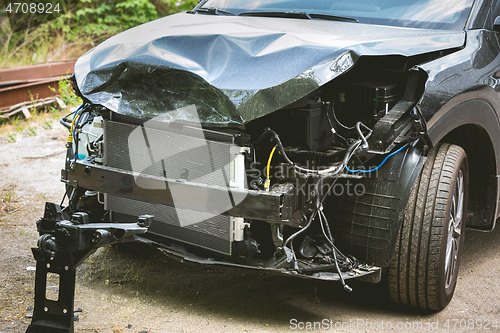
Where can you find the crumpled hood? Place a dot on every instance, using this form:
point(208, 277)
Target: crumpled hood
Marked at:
point(234, 69)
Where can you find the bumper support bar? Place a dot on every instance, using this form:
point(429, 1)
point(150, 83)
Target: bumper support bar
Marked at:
point(251, 204)
point(62, 246)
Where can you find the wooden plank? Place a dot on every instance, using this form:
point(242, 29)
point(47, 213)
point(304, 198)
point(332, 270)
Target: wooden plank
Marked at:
point(26, 112)
point(61, 103)
point(25, 106)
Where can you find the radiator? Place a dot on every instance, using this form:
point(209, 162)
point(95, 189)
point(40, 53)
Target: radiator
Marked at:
point(183, 153)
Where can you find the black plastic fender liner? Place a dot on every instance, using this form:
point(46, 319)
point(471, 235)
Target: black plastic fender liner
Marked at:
point(366, 221)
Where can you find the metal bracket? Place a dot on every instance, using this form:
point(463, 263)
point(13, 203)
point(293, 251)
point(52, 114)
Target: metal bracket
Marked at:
point(62, 246)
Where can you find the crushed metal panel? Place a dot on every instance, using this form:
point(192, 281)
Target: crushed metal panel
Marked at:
point(234, 69)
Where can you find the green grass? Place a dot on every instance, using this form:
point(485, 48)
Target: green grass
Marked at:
point(31, 131)
point(15, 121)
point(47, 124)
point(11, 138)
point(9, 196)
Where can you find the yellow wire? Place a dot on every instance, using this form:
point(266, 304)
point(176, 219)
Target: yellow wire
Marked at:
point(70, 136)
point(268, 181)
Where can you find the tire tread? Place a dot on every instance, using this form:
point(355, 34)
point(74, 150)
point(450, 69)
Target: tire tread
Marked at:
point(415, 269)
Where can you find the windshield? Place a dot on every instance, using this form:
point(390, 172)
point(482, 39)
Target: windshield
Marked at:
point(427, 14)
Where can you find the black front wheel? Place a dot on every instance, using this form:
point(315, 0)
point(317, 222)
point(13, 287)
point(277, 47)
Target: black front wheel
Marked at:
point(423, 272)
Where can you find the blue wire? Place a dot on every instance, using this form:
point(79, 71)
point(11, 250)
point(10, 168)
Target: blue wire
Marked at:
point(374, 169)
point(76, 112)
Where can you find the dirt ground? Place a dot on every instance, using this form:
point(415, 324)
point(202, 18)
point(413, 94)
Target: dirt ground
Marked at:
point(148, 292)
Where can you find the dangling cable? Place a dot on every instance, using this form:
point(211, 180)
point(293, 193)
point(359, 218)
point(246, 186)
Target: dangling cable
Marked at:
point(290, 239)
point(364, 138)
point(267, 184)
point(334, 250)
point(332, 128)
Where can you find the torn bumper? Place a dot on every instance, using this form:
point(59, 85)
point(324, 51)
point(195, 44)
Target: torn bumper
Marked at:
point(366, 273)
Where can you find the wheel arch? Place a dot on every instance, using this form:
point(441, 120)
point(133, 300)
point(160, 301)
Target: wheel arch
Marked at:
point(483, 184)
point(474, 126)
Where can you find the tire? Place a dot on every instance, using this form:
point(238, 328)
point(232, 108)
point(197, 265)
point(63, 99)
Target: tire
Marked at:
point(424, 269)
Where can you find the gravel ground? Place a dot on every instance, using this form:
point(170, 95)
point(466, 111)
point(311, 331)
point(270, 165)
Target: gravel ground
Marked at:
point(140, 290)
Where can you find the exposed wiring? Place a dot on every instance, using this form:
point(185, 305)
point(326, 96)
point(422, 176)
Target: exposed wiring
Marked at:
point(378, 167)
point(332, 128)
point(337, 121)
point(74, 124)
point(330, 237)
point(311, 218)
point(333, 171)
point(291, 238)
point(347, 158)
point(64, 197)
point(334, 250)
point(71, 132)
point(282, 150)
point(267, 184)
point(362, 136)
point(323, 220)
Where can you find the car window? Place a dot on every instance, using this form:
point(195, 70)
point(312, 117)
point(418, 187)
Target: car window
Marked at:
point(434, 14)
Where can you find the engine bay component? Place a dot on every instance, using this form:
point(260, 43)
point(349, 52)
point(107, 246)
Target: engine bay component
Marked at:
point(195, 180)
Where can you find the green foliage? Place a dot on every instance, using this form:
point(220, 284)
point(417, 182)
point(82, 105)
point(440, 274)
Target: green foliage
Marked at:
point(87, 24)
point(31, 131)
point(67, 93)
point(8, 197)
point(11, 138)
point(167, 7)
point(103, 19)
point(15, 121)
point(47, 125)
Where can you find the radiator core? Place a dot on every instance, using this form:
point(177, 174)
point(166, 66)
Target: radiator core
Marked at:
point(172, 153)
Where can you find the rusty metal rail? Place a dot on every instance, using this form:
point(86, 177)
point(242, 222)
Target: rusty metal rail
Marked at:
point(24, 107)
point(22, 84)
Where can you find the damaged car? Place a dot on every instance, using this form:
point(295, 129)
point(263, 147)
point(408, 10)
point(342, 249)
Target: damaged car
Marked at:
point(325, 140)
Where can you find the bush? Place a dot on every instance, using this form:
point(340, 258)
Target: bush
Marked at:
point(87, 24)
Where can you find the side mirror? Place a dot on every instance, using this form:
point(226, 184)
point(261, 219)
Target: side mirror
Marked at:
point(496, 24)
